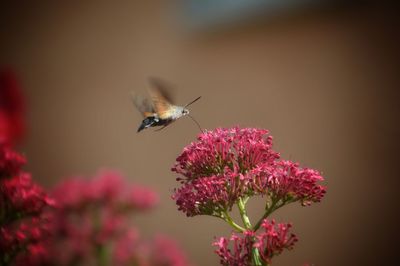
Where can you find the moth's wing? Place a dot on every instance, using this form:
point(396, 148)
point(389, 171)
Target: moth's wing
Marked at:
point(142, 104)
point(161, 98)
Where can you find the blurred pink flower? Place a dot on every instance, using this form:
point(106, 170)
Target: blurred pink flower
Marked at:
point(160, 251)
point(166, 251)
point(23, 197)
point(94, 213)
point(107, 187)
point(10, 162)
point(12, 108)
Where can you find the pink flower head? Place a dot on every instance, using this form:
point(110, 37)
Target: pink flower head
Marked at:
point(274, 239)
point(224, 165)
point(236, 250)
point(23, 197)
point(10, 162)
point(211, 195)
point(25, 239)
point(235, 148)
point(287, 181)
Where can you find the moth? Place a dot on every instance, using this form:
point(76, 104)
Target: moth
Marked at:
point(160, 111)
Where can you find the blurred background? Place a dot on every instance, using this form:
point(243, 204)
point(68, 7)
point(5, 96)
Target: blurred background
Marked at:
point(323, 78)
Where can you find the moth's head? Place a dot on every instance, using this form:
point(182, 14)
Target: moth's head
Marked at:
point(185, 111)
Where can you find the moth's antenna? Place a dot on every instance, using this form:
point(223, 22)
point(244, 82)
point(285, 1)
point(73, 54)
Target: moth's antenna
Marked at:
point(195, 100)
point(194, 120)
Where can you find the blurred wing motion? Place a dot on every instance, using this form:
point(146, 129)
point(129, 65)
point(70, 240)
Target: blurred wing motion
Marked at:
point(142, 104)
point(161, 99)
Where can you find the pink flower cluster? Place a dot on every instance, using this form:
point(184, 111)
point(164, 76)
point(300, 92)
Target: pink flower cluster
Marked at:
point(108, 188)
point(224, 168)
point(226, 164)
point(10, 162)
point(161, 250)
point(23, 223)
point(237, 250)
point(92, 214)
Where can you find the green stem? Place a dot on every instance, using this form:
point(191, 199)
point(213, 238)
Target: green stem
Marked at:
point(101, 255)
point(232, 223)
point(246, 221)
point(268, 211)
point(100, 249)
point(243, 214)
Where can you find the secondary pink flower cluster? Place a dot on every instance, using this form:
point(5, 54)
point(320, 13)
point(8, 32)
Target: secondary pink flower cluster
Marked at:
point(92, 214)
point(107, 188)
point(161, 250)
point(224, 165)
point(237, 250)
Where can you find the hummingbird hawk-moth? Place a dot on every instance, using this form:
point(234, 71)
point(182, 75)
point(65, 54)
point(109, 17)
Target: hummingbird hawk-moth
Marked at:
point(160, 111)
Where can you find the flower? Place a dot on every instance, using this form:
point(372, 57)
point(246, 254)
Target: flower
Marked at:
point(166, 251)
point(235, 148)
point(10, 162)
point(212, 195)
point(22, 197)
point(160, 251)
point(288, 182)
point(93, 214)
point(225, 165)
point(237, 250)
point(12, 109)
point(240, 252)
point(274, 239)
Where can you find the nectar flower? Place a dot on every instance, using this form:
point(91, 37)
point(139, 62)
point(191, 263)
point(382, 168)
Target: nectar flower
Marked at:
point(235, 148)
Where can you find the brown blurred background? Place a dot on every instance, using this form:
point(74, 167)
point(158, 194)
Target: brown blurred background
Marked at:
point(323, 80)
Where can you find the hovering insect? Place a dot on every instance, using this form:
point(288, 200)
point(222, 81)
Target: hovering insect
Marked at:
point(161, 111)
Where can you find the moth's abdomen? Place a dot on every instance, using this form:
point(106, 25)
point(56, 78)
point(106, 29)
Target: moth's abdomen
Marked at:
point(152, 121)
